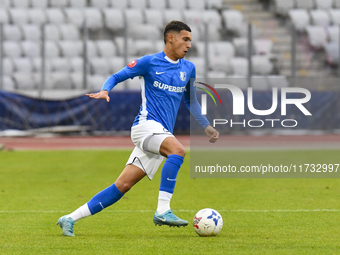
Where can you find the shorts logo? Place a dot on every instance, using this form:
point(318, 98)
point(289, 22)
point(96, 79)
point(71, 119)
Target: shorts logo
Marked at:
point(183, 76)
point(132, 63)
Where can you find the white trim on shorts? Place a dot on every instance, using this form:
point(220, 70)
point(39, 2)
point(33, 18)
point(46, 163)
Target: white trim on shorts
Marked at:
point(148, 137)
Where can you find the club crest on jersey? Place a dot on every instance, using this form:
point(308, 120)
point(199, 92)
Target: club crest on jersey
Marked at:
point(183, 76)
point(132, 63)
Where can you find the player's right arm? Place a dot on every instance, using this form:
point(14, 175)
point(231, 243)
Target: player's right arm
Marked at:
point(135, 68)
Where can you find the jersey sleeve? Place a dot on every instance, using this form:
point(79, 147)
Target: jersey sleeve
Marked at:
point(137, 67)
point(191, 102)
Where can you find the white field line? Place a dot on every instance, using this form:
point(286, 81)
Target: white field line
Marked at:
point(193, 211)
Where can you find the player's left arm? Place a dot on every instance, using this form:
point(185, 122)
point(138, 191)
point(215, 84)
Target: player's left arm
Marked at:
point(194, 107)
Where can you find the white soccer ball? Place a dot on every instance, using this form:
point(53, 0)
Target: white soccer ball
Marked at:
point(208, 222)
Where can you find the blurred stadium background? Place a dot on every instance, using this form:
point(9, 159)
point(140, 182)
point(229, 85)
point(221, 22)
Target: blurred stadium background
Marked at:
point(54, 51)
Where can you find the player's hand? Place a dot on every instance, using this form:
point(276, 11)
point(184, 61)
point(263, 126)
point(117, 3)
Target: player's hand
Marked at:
point(212, 133)
point(103, 94)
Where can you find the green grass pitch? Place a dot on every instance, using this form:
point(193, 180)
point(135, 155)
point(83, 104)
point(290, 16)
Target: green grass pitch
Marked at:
point(261, 216)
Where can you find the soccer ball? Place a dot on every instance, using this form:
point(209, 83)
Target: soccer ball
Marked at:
point(208, 222)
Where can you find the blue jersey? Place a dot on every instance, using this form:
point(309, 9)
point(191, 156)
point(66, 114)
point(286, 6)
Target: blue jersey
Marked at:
point(163, 83)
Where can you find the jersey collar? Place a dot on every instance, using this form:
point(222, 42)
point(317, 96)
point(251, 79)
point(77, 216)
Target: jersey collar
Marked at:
point(170, 60)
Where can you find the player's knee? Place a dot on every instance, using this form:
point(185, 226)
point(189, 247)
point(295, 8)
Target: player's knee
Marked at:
point(123, 186)
point(180, 151)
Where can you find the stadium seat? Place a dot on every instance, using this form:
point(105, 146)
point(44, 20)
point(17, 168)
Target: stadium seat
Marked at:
point(324, 4)
point(177, 4)
point(36, 16)
point(332, 53)
point(196, 4)
point(154, 17)
point(193, 17)
point(99, 66)
point(116, 64)
point(95, 82)
point(58, 80)
point(52, 32)
point(199, 64)
point(305, 4)
point(239, 66)
point(12, 49)
point(69, 32)
point(233, 20)
point(30, 48)
point(77, 64)
point(71, 48)
point(75, 16)
point(8, 67)
point(283, 6)
point(12, 32)
point(134, 16)
point(114, 19)
point(138, 4)
point(99, 3)
point(59, 3)
point(18, 16)
point(31, 32)
point(241, 47)
point(220, 64)
point(23, 65)
point(8, 83)
point(24, 4)
point(133, 84)
point(317, 36)
point(93, 18)
point(77, 3)
point(214, 4)
point(157, 4)
point(337, 3)
point(320, 17)
point(172, 14)
point(333, 33)
point(120, 46)
point(213, 33)
point(91, 49)
point(37, 64)
point(144, 47)
point(261, 65)
point(263, 46)
point(196, 34)
point(24, 80)
point(335, 16)
point(55, 16)
point(39, 3)
point(159, 45)
point(212, 17)
point(119, 4)
point(144, 31)
point(77, 79)
point(5, 3)
point(106, 48)
point(60, 64)
point(300, 18)
point(200, 48)
point(4, 17)
point(224, 49)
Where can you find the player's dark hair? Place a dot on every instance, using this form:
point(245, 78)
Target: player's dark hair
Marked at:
point(176, 26)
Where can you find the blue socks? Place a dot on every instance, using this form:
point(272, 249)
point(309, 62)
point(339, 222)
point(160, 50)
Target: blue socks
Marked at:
point(105, 198)
point(169, 173)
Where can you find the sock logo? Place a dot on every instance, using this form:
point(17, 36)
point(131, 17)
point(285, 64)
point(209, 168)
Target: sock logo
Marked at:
point(172, 180)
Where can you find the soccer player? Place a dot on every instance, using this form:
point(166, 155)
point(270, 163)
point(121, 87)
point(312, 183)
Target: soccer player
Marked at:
point(164, 78)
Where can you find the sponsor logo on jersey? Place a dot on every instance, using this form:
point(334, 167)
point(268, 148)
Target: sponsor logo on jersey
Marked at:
point(163, 86)
point(132, 63)
point(183, 76)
